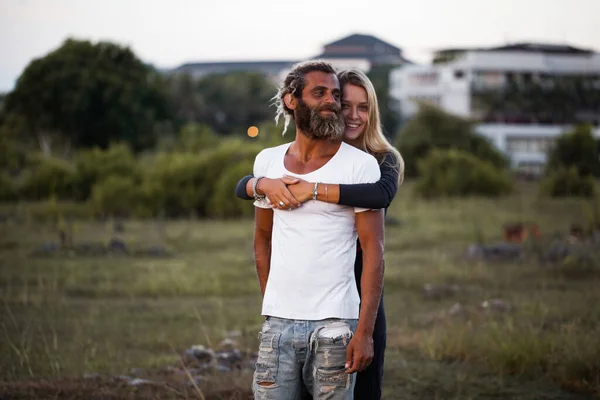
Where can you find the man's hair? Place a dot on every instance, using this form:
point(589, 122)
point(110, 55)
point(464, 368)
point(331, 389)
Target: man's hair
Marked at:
point(294, 84)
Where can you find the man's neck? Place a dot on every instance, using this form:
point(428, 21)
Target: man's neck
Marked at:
point(306, 148)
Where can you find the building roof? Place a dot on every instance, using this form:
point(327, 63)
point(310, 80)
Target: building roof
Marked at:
point(550, 63)
point(272, 67)
point(353, 47)
point(362, 40)
point(527, 47)
point(367, 47)
point(543, 48)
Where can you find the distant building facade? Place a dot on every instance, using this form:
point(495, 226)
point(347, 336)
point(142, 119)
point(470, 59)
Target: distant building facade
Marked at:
point(522, 95)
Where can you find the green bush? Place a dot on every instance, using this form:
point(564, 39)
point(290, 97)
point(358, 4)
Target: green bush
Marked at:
point(567, 182)
point(95, 165)
point(47, 177)
point(223, 203)
point(433, 128)
point(577, 149)
point(192, 138)
point(187, 181)
point(7, 188)
point(457, 173)
point(117, 196)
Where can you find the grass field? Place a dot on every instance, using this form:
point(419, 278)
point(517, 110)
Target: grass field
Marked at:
point(65, 316)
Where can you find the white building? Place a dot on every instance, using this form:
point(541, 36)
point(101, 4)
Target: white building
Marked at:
point(477, 84)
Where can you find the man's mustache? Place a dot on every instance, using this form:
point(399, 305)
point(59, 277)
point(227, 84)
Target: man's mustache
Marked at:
point(330, 107)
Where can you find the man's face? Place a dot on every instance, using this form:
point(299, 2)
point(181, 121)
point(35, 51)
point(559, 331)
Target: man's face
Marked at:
point(319, 113)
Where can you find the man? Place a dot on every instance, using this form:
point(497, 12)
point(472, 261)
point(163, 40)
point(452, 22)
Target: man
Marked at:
point(314, 337)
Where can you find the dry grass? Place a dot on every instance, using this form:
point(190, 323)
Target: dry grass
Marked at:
point(63, 316)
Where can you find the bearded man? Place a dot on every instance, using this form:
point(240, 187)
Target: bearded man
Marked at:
point(315, 336)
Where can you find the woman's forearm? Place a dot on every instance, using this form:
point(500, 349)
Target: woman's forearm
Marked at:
point(243, 189)
point(328, 192)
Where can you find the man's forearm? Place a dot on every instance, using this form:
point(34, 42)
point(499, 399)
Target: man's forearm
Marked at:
point(262, 258)
point(371, 286)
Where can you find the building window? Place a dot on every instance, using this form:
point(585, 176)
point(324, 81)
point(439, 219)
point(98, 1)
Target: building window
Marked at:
point(423, 79)
point(530, 168)
point(521, 144)
point(434, 100)
point(489, 80)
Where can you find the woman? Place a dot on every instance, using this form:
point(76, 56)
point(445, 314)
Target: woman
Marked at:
point(363, 130)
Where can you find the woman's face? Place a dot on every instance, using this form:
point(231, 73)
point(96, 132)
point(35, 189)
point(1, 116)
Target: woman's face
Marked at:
point(355, 108)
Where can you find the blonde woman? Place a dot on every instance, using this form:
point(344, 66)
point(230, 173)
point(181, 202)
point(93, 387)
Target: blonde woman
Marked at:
point(363, 130)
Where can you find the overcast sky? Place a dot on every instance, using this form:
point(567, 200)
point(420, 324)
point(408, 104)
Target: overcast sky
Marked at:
point(169, 33)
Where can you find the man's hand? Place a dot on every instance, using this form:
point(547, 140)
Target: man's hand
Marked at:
point(359, 353)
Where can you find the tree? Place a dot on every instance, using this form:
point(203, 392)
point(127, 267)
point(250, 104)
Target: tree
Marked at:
point(235, 101)
point(89, 95)
point(577, 149)
point(187, 103)
point(13, 150)
point(433, 128)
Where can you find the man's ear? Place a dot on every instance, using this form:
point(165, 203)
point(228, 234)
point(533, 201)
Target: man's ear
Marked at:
point(290, 101)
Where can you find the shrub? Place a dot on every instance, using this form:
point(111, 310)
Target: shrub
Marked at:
point(47, 177)
point(187, 181)
point(433, 128)
point(456, 173)
point(7, 188)
point(223, 203)
point(567, 182)
point(117, 196)
point(577, 149)
point(95, 165)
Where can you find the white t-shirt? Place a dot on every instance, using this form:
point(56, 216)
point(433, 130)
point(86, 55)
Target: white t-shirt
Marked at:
point(313, 247)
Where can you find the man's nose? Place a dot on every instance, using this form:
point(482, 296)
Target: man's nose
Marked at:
point(330, 98)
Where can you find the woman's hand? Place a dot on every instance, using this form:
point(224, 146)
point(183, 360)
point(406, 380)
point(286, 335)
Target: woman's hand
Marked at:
point(301, 190)
point(278, 192)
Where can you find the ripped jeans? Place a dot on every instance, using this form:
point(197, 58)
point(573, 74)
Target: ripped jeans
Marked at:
point(298, 356)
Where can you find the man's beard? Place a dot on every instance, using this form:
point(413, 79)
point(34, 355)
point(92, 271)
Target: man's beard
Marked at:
point(317, 126)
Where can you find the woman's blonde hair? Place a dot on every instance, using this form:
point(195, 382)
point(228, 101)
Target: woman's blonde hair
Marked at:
point(373, 141)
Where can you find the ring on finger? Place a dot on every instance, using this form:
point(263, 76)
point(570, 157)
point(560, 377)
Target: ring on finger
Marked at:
point(281, 203)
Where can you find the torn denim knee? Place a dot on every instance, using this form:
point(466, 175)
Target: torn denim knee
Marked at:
point(267, 363)
point(329, 343)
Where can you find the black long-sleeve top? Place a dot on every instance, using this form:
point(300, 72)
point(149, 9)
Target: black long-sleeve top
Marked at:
point(365, 195)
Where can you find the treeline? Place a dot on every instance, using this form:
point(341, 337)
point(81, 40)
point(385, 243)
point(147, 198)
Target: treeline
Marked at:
point(191, 175)
point(92, 124)
point(90, 95)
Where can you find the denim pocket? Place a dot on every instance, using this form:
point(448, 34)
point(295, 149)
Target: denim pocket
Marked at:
point(268, 357)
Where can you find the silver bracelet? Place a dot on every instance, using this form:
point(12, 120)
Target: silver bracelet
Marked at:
point(254, 192)
point(315, 191)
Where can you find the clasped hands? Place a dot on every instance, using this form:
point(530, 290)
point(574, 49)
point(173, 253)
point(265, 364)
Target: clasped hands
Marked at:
point(287, 192)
